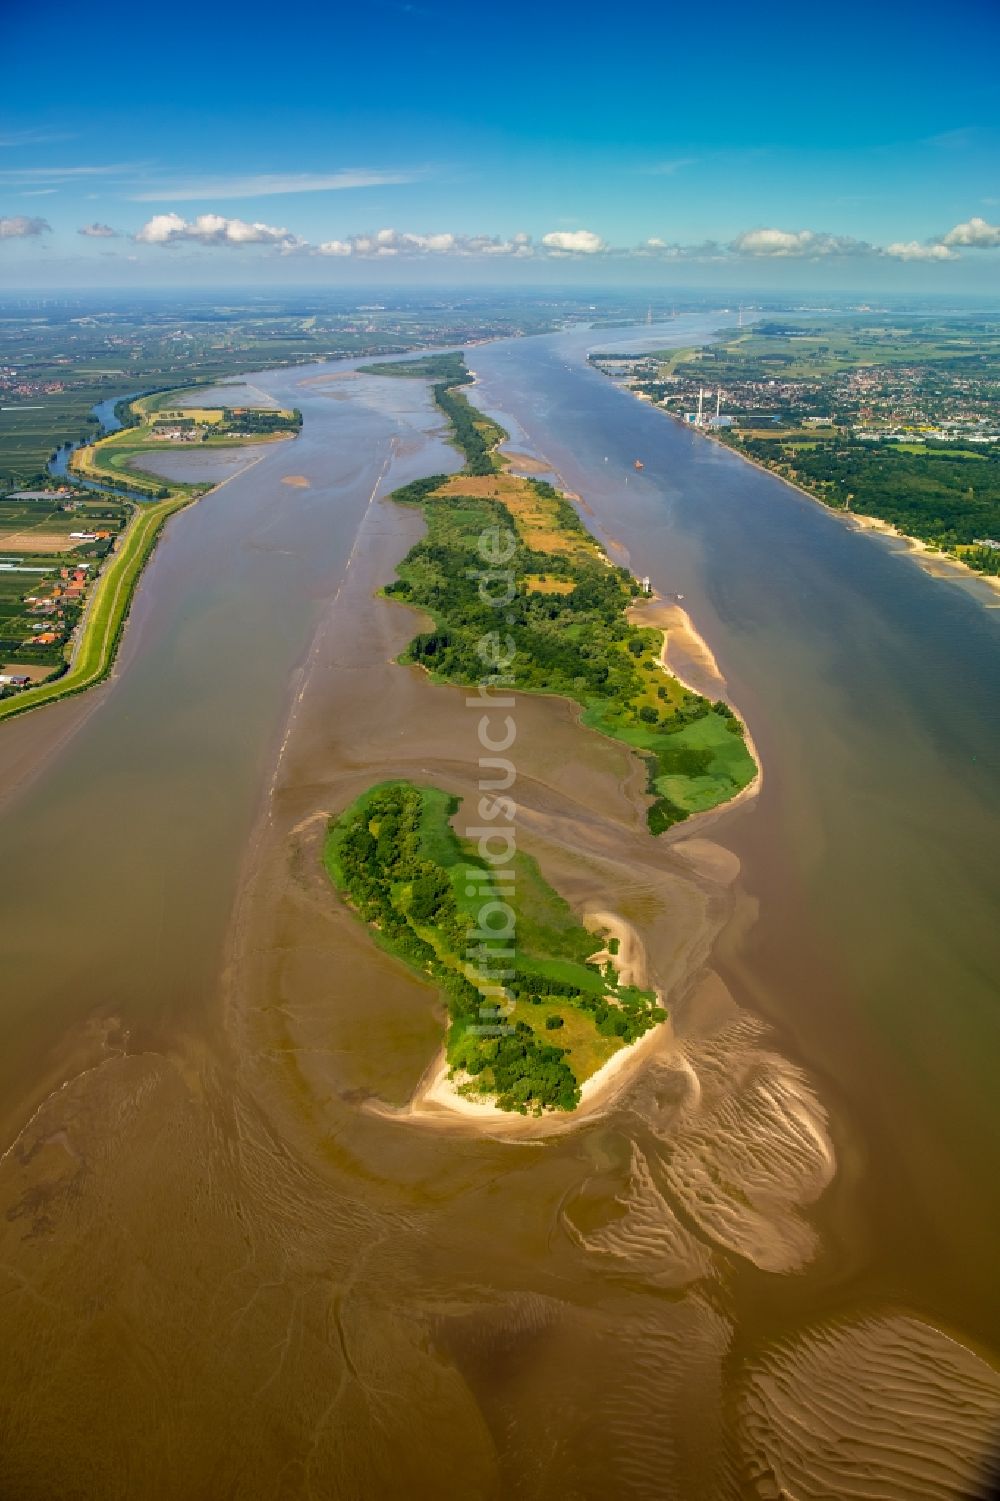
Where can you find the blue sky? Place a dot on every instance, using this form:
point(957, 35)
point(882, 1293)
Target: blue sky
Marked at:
point(838, 146)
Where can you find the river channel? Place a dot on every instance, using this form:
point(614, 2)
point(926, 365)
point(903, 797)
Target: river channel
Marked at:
point(225, 1275)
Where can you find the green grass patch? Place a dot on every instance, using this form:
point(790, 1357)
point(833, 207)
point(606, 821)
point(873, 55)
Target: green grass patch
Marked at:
point(396, 858)
point(577, 643)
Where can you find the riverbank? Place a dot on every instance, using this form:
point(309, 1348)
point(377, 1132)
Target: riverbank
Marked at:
point(291, 1246)
point(106, 612)
point(98, 633)
point(566, 620)
point(682, 640)
point(931, 560)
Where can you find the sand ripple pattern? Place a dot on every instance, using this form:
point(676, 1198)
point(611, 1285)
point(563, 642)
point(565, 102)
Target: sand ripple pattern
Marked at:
point(647, 1239)
point(888, 1409)
point(751, 1151)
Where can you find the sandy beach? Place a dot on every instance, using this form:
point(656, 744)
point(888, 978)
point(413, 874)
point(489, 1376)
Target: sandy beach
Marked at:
point(438, 1098)
point(681, 638)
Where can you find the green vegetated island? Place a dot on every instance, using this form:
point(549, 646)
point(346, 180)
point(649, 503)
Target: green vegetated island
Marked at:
point(396, 858)
point(65, 593)
point(568, 619)
point(888, 417)
point(394, 854)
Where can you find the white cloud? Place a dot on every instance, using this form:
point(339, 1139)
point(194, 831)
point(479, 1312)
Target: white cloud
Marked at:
point(98, 232)
point(667, 250)
point(975, 232)
point(388, 242)
point(214, 229)
point(33, 137)
point(917, 250)
point(16, 175)
point(18, 227)
point(574, 242)
point(804, 243)
point(266, 184)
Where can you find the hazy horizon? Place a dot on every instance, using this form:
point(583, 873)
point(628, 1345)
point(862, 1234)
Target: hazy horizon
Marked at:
point(354, 147)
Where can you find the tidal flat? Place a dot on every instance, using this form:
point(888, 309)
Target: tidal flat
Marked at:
point(224, 1271)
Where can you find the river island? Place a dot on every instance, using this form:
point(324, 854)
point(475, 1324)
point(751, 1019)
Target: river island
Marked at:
point(573, 626)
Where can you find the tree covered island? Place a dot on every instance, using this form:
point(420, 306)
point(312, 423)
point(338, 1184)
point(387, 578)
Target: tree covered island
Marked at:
point(568, 620)
point(529, 1040)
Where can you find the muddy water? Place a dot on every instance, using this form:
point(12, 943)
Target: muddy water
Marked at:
point(120, 856)
point(205, 466)
point(226, 1275)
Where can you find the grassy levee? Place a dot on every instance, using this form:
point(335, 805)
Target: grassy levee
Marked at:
point(106, 612)
point(108, 462)
point(395, 857)
point(567, 618)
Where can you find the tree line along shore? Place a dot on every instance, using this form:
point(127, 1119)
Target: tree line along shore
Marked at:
point(529, 1043)
point(891, 419)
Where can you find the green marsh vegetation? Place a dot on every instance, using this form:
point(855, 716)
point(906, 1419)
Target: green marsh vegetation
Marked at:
point(567, 623)
point(530, 1040)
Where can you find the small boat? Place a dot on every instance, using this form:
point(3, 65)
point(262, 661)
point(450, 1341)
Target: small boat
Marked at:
point(638, 464)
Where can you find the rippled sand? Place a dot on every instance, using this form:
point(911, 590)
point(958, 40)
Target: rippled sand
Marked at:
point(884, 1407)
point(752, 1151)
point(223, 1273)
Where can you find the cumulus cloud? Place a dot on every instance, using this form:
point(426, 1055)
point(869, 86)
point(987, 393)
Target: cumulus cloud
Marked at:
point(975, 232)
point(390, 242)
point(669, 250)
point(772, 243)
point(803, 243)
point(574, 242)
point(214, 229)
point(917, 250)
point(19, 227)
point(98, 232)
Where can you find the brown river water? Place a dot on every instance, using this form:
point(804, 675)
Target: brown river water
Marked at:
point(766, 1269)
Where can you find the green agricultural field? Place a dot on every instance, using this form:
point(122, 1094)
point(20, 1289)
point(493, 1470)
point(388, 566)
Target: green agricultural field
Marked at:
point(529, 1039)
point(822, 402)
point(798, 350)
point(68, 359)
point(110, 461)
point(105, 614)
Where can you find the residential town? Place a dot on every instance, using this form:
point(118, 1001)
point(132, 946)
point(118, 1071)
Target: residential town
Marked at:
point(892, 418)
point(52, 543)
